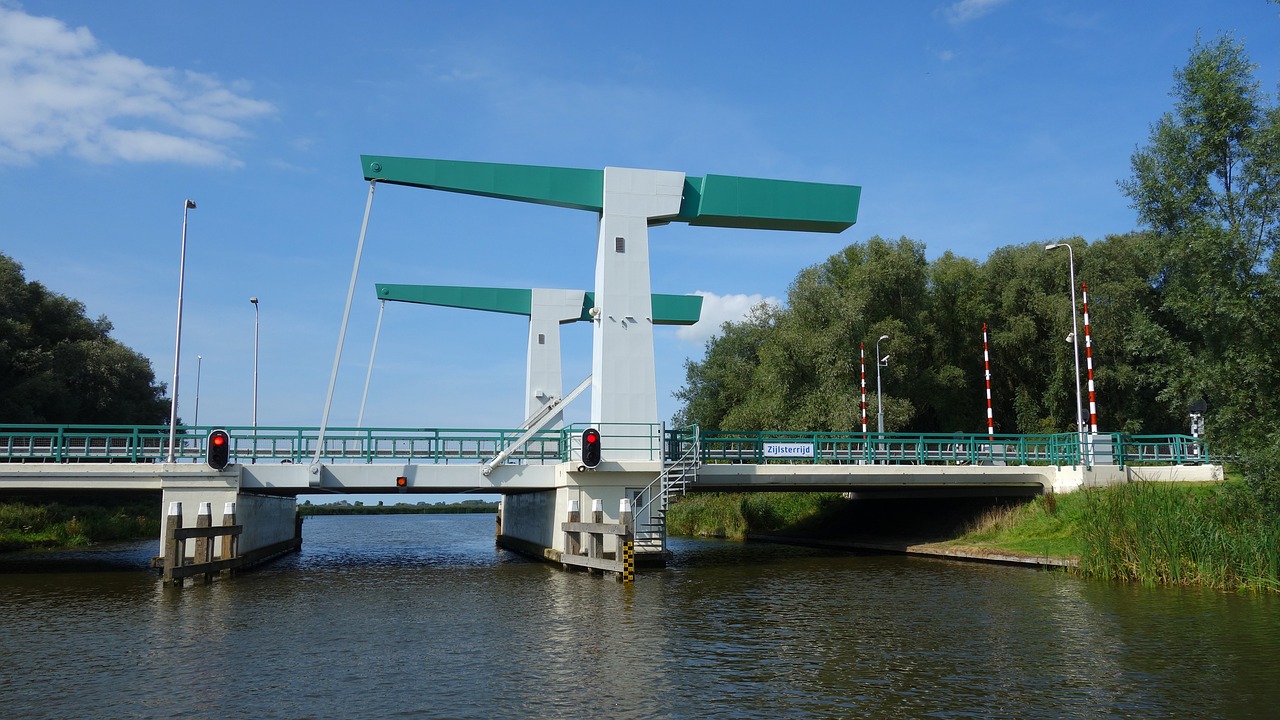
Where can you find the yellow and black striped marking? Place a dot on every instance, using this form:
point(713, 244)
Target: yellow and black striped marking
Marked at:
point(628, 562)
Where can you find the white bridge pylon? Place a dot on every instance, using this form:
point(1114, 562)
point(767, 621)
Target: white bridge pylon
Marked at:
point(628, 201)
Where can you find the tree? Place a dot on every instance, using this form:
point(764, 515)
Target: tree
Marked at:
point(57, 366)
point(1208, 186)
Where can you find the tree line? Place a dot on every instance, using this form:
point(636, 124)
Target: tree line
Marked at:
point(59, 366)
point(1186, 310)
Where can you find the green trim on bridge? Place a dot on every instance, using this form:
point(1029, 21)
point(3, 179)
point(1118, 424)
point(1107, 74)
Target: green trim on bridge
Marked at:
point(666, 309)
point(148, 443)
point(714, 200)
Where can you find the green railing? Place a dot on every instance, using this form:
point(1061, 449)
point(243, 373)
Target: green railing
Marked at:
point(149, 443)
point(720, 446)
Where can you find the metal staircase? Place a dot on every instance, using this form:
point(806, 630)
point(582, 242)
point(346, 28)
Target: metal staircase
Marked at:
point(679, 470)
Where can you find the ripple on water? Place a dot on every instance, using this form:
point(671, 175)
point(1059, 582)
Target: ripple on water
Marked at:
point(413, 616)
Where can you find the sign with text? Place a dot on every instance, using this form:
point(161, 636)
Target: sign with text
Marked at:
point(788, 450)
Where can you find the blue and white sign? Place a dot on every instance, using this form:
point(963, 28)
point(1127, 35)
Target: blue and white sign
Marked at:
point(788, 450)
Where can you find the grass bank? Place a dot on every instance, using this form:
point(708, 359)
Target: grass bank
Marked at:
point(733, 515)
point(26, 524)
point(1211, 535)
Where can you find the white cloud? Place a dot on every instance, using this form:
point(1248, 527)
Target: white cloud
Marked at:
point(966, 10)
point(719, 309)
point(63, 93)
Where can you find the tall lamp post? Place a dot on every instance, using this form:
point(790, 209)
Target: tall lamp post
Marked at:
point(1075, 337)
point(199, 362)
point(254, 300)
point(254, 457)
point(177, 343)
point(880, 362)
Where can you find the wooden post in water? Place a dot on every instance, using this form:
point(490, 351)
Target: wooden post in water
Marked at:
point(573, 540)
point(174, 549)
point(204, 544)
point(595, 545)
point(229, 542)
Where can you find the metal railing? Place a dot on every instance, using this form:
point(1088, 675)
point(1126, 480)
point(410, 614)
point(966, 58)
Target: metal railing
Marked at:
point(149, 443)
point(767, 447)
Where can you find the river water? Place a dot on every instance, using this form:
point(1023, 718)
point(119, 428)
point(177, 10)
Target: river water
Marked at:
point(421, 616)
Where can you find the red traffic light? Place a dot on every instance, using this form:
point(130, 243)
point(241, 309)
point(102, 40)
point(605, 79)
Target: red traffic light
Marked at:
point(590, 447)
point(219, 455)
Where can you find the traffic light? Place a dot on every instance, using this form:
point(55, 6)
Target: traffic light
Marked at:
point(591, 447)
point(219, 449)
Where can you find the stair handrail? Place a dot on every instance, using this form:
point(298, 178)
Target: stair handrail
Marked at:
point(687, 461)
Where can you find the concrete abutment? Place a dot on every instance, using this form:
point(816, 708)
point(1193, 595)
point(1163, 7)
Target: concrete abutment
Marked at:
point(210, 525)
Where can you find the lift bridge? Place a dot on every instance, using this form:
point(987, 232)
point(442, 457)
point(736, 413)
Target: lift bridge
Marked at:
point(539, 468)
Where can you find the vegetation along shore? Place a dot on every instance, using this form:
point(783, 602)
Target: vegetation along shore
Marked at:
point(1214, 535)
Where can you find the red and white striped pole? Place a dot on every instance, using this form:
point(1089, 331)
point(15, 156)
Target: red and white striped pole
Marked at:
point(1088, 359)
point(986, 366)
point(862, 349)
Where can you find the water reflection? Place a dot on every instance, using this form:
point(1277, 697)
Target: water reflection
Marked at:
point(422, 616)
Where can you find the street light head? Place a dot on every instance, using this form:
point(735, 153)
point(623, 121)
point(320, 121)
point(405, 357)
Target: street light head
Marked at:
point(191, 205)
point(883, 337)
point(253, 300)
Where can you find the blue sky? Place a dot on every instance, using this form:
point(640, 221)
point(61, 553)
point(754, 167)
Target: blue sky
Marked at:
point(969, 125)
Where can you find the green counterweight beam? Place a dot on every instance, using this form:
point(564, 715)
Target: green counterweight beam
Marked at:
point(713, 200)
point(667, 309)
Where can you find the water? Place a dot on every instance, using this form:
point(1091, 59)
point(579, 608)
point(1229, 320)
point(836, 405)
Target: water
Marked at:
point(421, 616)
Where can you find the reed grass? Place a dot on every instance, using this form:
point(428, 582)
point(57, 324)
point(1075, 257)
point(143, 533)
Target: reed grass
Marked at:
point(46, 525)
point(733, 515)
point(1044, 527)
point(1213, 535)
point(1216, 536)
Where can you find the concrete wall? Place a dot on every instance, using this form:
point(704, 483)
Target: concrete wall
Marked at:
point(531, 517)
point(266, 520)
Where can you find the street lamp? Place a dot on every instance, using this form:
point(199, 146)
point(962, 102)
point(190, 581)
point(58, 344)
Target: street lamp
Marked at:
point(1075, 337)
point(254, 300)
point(199, 361)
point(880, 362)
point(177, 342)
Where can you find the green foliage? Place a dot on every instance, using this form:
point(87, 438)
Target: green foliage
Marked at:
point(734, 515)
point(1046, 526)
point(1208, 184)
point(1215, 536)
point(1187, 310)
point(28, 524)
point(798, 368)
point(57, 366)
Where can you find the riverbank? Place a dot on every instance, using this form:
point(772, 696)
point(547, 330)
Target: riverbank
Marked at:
point(30, 524)
point(1212, 535)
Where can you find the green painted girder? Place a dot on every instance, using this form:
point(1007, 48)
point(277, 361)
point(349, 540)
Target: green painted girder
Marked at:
point(667, 309)
point(714, 200)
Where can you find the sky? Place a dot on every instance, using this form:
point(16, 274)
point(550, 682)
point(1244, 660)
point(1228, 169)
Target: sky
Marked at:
point(969, 125)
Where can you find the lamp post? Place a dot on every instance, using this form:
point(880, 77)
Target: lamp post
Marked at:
point(199, 361)
point(254, 300)
point(880, 362)
point(1075, 337)
point(177, 342)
